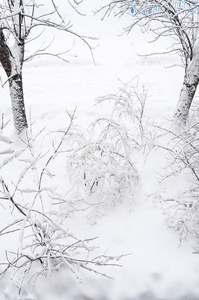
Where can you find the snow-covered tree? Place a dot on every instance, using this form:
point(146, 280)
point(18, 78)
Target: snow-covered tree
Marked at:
point(17, 19)
point(178, 19)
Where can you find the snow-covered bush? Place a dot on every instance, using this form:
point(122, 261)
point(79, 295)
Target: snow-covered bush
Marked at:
point(102, 164)
point(102, 168)
point(34, 232)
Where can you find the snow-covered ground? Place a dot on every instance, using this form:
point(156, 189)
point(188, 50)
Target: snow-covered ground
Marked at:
point(155, 265)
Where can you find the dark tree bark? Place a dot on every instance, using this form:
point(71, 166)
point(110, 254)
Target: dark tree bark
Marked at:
point(13, 68)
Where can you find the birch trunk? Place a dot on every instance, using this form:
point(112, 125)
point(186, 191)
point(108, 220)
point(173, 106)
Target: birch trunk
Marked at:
point(12, 62)
point(16, 87)
point(190, 83)
point(17, 100)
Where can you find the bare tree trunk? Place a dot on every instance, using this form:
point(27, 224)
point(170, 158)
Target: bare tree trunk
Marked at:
point(17, 100)
point(190, 83)
point(16, 88)
point(12, 64)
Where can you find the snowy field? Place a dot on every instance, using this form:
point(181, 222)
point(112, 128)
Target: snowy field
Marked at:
point(156, 261)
